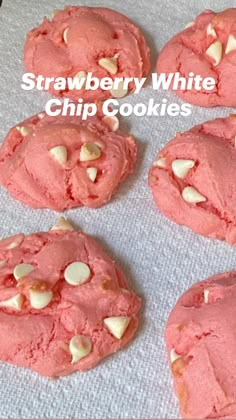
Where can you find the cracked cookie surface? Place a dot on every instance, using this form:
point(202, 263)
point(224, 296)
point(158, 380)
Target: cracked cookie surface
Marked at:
point(81, 39)
point(206, 47)
point(64, 162)
point(64, 304)
point(193, 179)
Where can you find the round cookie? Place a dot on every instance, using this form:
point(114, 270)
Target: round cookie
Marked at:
point(64, 304)
point(206, 47)
point(81, 39)
point(193, 179)
point(64, 162)
point(201, 342)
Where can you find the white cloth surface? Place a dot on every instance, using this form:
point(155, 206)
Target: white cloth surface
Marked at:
point(159, 258)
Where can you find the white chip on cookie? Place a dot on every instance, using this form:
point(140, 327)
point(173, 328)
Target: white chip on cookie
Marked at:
point(160, 163)
point(214, 51)
point(109, 64)
point(62, 224)
point(191, 195)
point(24, 130)
point(15, 302)
point(174, 356)
point(40, 299)
point(77, 273)
point(112, 122)
point(181, 167)
point(59, 153)
point(65, 35)
point(206, 295)
point(211, 31)
point(16, 242)
point(80, 346)
point(89, 151)
point(231, 44)
point(117, 325)
point(92, 173)
point(22, 270)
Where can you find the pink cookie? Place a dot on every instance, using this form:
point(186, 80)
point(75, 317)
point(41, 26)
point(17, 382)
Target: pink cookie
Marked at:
point(193, 180)
point(64, 162)
point(207, 47)
point(201, 341)
point(64, 304)
point(79, 40)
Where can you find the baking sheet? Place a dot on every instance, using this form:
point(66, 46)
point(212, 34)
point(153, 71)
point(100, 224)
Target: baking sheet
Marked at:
point(159, 258)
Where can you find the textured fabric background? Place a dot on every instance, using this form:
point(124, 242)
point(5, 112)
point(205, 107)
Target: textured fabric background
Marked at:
point(159, 258)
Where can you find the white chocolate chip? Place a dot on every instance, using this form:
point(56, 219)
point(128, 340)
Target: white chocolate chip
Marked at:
point(189, 25)
point(59, 153)
point(120, 91)
point(215, 52)
point(55, 12)
point(109, 64)
point(231, 44)
point(181, 167)
point(190, 195)
point(81, 75)
point(89, 151)
point(112, 122)
point(77, 273)
point(211, 31)
point(235, 141)
point(206, 295)
point(117, 325)
point(2, 263)
point(65, 33)
point(24, 130)
point(174, 356)
point(22, 270)
point(79, 346)
point(92, 173)
point(40, 299)
point(161, 163)
point(17, 241)
point(62, 224)
point(15, 302)
point(41, 115)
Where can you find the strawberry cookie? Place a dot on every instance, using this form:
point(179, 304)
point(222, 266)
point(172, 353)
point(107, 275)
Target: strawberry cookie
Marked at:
point(64, 304)
point(63, 162)
point(206, 47)
point(78, 40)
point(193, 179)
point(201, 342)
